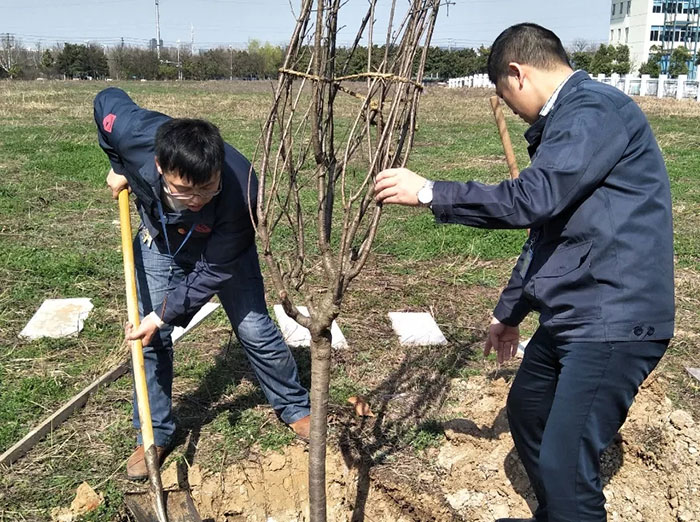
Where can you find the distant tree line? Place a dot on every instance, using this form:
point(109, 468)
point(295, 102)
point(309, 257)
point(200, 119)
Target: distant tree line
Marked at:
point(608, 59)
point(443, 63)
point(93, 61)
point(261, 61)
point(678, 61)
point(257, 61)
point(605, 59)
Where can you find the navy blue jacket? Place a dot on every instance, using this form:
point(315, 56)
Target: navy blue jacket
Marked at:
point(223, 228)
point(597, 198)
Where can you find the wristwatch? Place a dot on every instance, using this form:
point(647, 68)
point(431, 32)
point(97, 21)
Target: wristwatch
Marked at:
point(425, 194)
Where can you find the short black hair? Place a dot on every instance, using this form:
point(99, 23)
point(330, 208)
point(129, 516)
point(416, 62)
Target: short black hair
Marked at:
point(529, 44)
point(191, 148)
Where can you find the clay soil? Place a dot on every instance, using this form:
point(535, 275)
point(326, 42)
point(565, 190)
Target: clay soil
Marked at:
point(651, 471)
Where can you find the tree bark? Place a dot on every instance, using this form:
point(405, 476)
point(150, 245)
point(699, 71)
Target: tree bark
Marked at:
point(320, 379)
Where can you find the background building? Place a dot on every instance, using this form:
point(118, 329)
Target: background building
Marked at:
point(642, 24)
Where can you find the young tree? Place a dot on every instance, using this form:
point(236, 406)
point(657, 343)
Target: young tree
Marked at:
point(610, 59)
point(602, 61)
point(10, 60)
point(581, 54)
point(245, 65)
point(82, 61)
point(270, 56)
point(321, 146)
point(678, 63)
point(582, 60)
point(48, 63)
point(652, 67)
point(621, 62)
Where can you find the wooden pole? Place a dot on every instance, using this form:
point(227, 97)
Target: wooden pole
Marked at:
point(505, 137)
point(59, 416)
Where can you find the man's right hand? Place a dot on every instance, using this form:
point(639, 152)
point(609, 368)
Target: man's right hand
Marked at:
point(116, 183)
point(502, 338)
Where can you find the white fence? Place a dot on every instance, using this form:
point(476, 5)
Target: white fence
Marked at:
point(661, 87)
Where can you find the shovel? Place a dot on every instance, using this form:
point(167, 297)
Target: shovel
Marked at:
point(154, 505)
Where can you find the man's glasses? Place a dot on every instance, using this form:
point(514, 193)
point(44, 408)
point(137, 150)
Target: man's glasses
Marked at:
point(184, 196)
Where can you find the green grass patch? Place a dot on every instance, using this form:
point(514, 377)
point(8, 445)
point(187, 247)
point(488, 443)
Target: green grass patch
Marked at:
point(251, 427)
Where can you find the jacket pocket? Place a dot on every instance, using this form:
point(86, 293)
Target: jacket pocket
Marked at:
point(564, 286)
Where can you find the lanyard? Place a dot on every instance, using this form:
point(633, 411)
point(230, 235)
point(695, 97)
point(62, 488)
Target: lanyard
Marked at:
point(165, 233)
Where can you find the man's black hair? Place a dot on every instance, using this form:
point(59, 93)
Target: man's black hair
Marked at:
point(528, 44)
point(193, 149)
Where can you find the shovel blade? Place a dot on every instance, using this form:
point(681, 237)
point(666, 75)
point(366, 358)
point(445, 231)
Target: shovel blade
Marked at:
point(179, 506)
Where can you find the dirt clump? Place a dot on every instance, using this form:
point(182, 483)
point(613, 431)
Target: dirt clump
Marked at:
point(651, 471)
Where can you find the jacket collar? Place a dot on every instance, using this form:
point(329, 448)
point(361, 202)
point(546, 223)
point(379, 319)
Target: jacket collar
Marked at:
point(533, 135)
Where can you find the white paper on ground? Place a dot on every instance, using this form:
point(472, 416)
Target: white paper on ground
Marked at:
point(521, 348)
point(296, 335)
point(416, 329)
point(203, 313)
point(695, 372)
point(58, 318)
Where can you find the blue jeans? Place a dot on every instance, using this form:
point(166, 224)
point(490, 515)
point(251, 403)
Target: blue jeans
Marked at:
point(567, 402)
point(243, 299)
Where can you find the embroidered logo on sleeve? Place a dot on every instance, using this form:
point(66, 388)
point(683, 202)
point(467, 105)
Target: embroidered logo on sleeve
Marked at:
point(202, 229)
point(108, 122)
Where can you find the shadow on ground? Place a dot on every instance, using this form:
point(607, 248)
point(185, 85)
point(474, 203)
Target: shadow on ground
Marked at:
point(211, 398)
point(405, 404)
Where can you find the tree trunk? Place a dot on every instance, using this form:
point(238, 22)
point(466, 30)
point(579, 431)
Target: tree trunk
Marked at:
point(320, 379)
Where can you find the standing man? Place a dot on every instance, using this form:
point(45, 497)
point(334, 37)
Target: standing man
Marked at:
point(598, 265)
point(196, 239)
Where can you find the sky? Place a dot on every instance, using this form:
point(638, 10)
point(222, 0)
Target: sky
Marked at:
point(213, 23)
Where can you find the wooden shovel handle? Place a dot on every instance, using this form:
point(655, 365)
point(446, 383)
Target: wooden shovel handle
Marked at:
point(505, 137)
point(132, 305)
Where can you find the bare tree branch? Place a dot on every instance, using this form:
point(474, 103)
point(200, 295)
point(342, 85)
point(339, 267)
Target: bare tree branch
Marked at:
point(323, 142)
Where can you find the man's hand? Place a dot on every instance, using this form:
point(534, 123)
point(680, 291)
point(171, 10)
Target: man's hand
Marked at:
point(145, 332)
point(398, 186)
point(116, 183)
point(502, 338)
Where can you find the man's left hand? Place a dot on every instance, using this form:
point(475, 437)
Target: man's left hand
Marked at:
point(503, 339)
point(145, 332)
point(398, 186)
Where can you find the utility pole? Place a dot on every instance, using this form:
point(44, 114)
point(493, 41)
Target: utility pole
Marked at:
point(179, 64)
point(157, 30)
point(694, 28)
point(230, 49)
point(9, 40)
point(192, 39)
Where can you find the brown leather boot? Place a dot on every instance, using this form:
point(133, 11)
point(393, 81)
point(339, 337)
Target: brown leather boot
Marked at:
point(302, 428)
point(136, 465)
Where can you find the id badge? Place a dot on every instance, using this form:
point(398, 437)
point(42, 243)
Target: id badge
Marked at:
point(527, 261)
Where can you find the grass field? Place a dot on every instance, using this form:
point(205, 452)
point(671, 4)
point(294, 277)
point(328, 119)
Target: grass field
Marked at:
point(58, 239)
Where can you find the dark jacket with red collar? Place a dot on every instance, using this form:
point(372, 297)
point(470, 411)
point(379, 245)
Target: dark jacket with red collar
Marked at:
point(598, 265)
point(221, 230)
